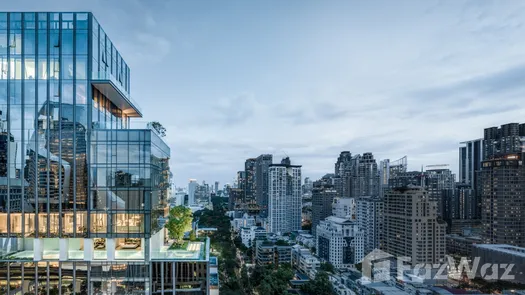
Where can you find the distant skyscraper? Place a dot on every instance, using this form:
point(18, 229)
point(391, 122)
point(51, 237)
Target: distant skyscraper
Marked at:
point(470, 157)
point(365, 179)
point(411, 227)
point(250, 179)
point(389, 170)
point(241, 180)
point(343, 172)
point(192, 189)
point(323, 194)
point(370, 221)
point(437, 180)
point(216, 187)
point(502, 185)
point(262, 164)
point(284, 206)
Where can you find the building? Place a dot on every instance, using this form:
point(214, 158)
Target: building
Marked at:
point(284, 193)
point(403, 179)
point(323, 194)
point(252, 233)
point(344, 208)
point(498, 255)
point(461, 245)
point(389, 170)
point(439, 181)
point(277, 253)
point(411, 227)
point(96, 190)
point(262, 164)
point(370, 221)
point(250, 178)
point(241, 180)
point(192, 189)
point(235, 198)
point(470, 158)
point(303, 260)
point(340, 242)
point(216, 187)
point(343, 174)
point(365, 179)
point(502, 185)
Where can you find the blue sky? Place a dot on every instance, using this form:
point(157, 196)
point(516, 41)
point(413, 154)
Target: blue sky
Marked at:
point(234, 79)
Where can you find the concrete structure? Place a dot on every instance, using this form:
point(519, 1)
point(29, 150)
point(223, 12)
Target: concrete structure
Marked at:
point(262, 163)
point(278, 253)
point(323, 194)
point(192, 189)
point(250, 179)
point(370, 220)
point(461, 245)
point(411, 227)
point(251, 234)
point(502, 188)
point(284, 193)
point(499, 254)
point(303, 260)
point(439, 182)
point(344, 208)
point(340, 242)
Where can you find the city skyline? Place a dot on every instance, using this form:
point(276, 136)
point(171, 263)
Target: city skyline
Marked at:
point(416, 88)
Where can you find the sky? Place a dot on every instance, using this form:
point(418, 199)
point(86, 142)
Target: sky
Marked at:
point(308, 79)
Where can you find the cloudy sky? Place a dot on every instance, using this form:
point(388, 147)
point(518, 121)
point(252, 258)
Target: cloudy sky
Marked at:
point(308, 79)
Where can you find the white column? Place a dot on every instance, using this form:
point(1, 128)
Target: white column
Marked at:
point(63, 245)
point(110, 248)
point(88, 249)
point(38, 245)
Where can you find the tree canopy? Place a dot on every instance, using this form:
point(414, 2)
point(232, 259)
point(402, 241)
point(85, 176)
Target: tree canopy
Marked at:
point(321, 285)
point(179, 222)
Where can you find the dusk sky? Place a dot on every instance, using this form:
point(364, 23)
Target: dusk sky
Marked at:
point(234, 79)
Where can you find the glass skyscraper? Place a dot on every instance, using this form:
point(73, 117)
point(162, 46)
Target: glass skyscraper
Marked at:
point(82, 196)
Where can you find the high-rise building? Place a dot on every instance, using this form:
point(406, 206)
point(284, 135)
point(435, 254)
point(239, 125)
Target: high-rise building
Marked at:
point(192, 191)
point(339, 241)
point(370, 221)
point(502, 185)
point(285, 203)
point(344, 208)
point(216, 187)
point(439, 181)
point(262, 164)
point(250, 179)
point(85, 195)
point(365, 179)
point(389, 170)
point(241, 180)
point(470, 157)
point(343, 172)
point(411, 227)
point(323, 195)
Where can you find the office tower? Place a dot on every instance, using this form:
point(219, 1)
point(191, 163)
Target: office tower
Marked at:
point(85, 195)
point(365, 179)
point(343, 172)
point(216, 187)
point(339, 241)
point(344, 208)
point(467, 201)
point(370, 221)
point(235, 198)
point(284, 206)
point(261, 194)
point(308, 185)
point(438, 180)
point(192, 191)
point(250, 179)
point(411, 227)
point(323, 194)
point(470, 157)
point(502, 185)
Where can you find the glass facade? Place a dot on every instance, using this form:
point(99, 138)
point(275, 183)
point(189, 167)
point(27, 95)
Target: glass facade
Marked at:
point(81, 194)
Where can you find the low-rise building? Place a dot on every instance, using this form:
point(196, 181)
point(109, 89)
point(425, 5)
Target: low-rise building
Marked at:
point(244, 221)
point(303, 260)
point(267, 252)
point(252, 233)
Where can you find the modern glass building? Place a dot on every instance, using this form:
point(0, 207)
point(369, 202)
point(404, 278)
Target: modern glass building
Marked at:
point(82, 196)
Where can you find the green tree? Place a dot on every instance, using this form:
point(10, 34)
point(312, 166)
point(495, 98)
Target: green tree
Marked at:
point(328, 267)
point(321, 285)
point(159, 128)
point(193, 236)
point(179, 221)
point(277, 282)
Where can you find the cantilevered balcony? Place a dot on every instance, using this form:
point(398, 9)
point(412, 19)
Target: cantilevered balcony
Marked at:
point(107, 85)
